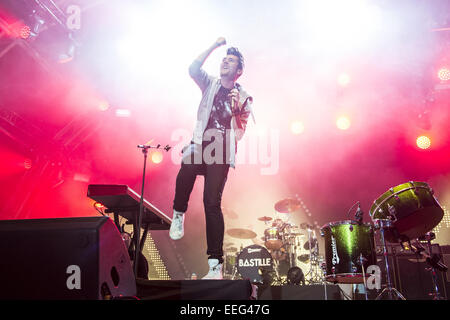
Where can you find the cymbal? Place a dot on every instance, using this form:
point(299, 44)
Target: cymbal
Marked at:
point(241, 233)
point(287, 205)
point(231, 249)
point(264, 218)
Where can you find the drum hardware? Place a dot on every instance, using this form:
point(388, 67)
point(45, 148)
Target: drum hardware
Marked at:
point(295, 276)
point(384, 225)
point(433, 262)
point(361, 262)
point(265, 219)
point(392, 213)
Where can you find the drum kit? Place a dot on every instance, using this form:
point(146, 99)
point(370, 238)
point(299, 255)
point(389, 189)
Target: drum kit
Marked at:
point(286, 253)
point(403, 214)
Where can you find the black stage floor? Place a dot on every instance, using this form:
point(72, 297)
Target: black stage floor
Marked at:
point(230, 290)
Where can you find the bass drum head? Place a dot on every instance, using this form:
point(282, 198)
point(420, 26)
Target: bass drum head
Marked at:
point(251, 260)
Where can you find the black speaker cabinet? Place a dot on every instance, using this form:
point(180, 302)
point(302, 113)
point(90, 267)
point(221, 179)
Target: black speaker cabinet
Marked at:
point(64, 258)
point(410, 274)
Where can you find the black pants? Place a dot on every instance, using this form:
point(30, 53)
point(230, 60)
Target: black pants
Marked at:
point(215, 179)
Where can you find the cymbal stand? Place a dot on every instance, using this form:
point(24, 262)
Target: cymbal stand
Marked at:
point(361, 261)
point(384, 224)
point(436, 295)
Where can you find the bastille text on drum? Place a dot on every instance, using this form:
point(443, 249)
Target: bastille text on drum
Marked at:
point(256, 262)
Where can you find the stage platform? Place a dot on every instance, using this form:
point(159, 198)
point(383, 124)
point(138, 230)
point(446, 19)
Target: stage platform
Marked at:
point(300, 292)
point(193, 289)
point(230, 290)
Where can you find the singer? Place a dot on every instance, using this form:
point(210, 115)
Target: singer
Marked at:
point(222, 117)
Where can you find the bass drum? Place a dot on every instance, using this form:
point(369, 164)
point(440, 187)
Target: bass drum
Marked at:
point(348, 247)
point(411, 207)
point(251, 261)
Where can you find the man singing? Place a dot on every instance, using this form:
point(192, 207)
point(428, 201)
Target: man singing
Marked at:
point(221, 121)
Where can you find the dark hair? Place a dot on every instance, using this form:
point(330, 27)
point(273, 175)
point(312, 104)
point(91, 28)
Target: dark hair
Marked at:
point(235, 52)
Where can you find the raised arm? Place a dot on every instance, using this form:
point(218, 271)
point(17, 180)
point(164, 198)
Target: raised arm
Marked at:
point(195, 70)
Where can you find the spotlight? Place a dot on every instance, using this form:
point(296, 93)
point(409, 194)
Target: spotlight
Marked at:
point(157, 157)
point(297, 127)
point(444, 74)
point(343, 79)
point(295, 276)
point(343, 123)
point(27, 164)
point(103, 105)
point(423, 142)
point(25, 32)
point(99, 206)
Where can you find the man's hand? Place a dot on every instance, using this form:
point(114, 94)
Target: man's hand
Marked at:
point(220, 42)
point(234, 96)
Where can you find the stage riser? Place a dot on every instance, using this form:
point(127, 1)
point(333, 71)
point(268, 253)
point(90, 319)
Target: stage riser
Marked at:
point(194, 289)
point(300, 292)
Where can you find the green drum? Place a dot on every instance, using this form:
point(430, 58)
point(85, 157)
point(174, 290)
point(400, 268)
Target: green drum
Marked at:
point(349, 247)
point(412, 209)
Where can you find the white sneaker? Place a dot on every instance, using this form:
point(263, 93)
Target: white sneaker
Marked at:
point(215, 270)
point(177, 227)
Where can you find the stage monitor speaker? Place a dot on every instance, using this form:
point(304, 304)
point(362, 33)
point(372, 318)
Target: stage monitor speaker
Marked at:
point(64, 259)
point(410, 275)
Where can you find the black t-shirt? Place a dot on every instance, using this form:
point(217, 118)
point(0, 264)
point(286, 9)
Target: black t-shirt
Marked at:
point(220, 117)
point(219, 122)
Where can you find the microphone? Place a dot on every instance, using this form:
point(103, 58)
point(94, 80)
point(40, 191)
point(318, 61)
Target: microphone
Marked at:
point(234, 108)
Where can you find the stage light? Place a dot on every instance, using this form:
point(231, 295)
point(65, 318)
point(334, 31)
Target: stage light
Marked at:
point(157, 157)
point(103, 105)
point(25, 32)
point(297, 127)
point(343, 123)
point(27, 164)
point(444, 74)
point(423, 142)
point(99, 206)
point(343, 79)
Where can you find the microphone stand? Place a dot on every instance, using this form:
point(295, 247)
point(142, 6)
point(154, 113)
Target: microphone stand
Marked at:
point(138, 219)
